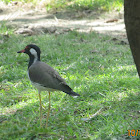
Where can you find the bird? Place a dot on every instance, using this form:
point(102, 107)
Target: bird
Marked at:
point(44, 77)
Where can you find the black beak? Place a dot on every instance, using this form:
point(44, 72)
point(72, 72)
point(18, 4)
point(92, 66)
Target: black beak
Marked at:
point(22, 51)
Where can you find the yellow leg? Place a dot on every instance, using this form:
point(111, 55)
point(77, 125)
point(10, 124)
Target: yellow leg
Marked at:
point(40, 109)
point(48, 111)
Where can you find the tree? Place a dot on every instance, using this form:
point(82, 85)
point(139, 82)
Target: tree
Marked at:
point(132, 23)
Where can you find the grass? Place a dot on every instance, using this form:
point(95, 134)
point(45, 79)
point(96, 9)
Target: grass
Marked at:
point(105, 5)
point(99, 69)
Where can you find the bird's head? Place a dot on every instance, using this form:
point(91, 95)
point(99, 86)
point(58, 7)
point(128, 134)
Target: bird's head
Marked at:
point(31, 50)
point(34, 53)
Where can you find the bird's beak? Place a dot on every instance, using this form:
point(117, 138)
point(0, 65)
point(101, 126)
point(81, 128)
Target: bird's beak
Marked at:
point(22, 51)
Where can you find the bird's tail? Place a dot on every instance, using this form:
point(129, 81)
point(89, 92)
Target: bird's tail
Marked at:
point(74, 93)
point(69, 91)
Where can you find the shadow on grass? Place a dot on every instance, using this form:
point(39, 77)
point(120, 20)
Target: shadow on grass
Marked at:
point(25, 121)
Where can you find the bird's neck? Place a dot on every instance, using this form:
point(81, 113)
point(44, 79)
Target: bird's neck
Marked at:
point(33, 59)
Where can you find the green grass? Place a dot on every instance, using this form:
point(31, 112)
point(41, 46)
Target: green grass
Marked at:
point(105, 78)
point(86, 4)
point(105, 5)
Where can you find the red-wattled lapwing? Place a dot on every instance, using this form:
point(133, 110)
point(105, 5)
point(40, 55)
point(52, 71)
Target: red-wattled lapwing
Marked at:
point(44, 77)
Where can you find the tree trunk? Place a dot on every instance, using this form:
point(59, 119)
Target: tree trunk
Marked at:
point(132, 23)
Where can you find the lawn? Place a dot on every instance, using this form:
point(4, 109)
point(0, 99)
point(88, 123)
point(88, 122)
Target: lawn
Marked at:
point(98, 67)
point(104, 5)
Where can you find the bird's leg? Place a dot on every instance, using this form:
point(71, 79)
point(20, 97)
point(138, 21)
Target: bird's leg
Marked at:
point(48, 111)
point(40, 108)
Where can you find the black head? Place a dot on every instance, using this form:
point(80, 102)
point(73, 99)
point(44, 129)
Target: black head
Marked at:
point(33, 51)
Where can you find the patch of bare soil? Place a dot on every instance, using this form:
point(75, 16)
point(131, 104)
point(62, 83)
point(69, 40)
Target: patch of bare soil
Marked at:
point(30, 21)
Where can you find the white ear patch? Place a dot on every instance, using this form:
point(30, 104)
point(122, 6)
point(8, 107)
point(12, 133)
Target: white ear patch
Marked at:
point(33, 52)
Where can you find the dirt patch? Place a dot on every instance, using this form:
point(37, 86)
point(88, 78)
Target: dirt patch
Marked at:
point(31, 21)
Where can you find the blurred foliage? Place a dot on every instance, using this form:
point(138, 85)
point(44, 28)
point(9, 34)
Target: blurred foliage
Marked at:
point(76, 4)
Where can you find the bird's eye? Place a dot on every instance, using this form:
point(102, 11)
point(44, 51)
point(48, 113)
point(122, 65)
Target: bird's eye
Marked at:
point(27, 48)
